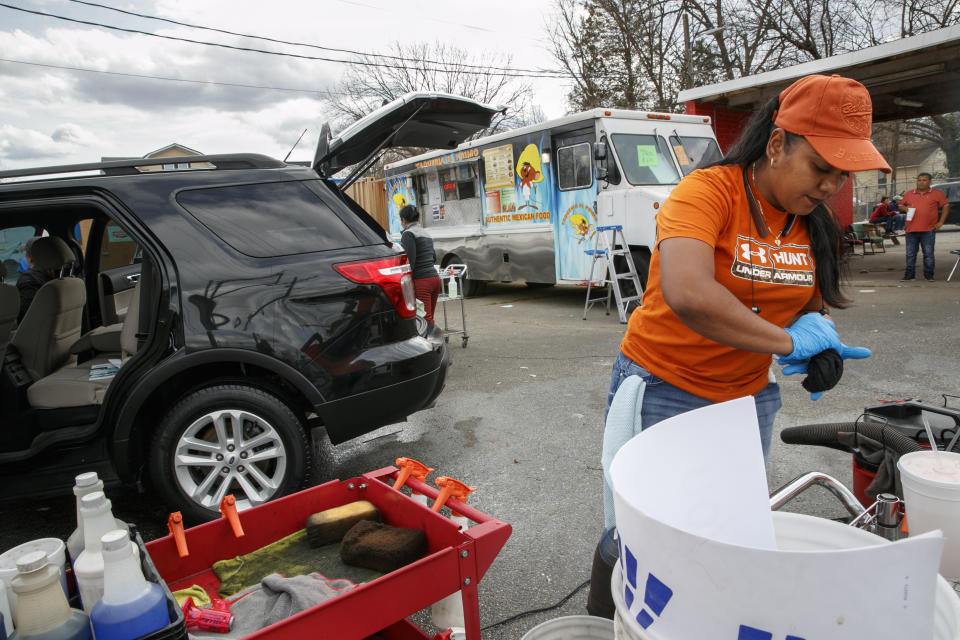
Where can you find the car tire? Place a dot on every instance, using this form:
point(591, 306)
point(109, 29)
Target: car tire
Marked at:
point(200, 426)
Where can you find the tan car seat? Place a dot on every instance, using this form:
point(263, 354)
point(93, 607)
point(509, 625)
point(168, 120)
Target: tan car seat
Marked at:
point(53, 322)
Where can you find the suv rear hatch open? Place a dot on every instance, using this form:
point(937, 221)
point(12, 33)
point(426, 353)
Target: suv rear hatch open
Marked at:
point(433, 120)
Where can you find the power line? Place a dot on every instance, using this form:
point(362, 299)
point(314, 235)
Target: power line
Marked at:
point(267, 52)
point(169, 79)
point(304, 44)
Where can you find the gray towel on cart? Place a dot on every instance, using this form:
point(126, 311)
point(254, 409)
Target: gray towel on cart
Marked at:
point(274, 599)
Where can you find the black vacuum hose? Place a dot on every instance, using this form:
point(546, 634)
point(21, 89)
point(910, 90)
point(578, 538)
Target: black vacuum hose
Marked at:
point(825, 435)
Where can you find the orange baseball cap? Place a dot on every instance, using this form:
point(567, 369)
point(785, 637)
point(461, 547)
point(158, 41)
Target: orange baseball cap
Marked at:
point(835, 115)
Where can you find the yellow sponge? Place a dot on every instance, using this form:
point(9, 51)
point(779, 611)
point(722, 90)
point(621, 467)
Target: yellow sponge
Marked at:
point(331, 525)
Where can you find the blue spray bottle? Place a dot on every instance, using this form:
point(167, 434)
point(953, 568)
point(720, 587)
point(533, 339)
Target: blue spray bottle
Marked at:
point(131, 606)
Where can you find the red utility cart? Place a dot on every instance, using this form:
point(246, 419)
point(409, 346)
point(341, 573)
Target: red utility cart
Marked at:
point(457, 560)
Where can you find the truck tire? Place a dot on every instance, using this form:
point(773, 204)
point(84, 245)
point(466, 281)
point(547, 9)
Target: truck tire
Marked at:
point(227, 439)
point(471, 288)
point(641, 260)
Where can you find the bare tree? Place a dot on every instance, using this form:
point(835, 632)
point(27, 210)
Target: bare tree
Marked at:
point(741, 42)
point(575, 39)
point(630, 53)
point(943, 131)
point(372, 81)
point(619, 53)
point(920, 16)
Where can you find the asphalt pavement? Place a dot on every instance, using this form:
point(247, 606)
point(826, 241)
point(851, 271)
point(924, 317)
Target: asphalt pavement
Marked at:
point(521, 420)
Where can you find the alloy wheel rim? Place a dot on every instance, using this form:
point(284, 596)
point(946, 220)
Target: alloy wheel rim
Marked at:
point(230, 451)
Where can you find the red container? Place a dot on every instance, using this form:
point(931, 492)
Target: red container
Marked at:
point(456, 560)
point(862, 477)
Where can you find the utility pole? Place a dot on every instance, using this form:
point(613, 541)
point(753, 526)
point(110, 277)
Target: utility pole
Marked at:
point(687, 57)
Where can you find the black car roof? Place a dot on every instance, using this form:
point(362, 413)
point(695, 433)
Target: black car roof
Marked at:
point(221, 162)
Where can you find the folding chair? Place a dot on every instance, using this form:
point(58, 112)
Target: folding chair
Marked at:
point(955, 252)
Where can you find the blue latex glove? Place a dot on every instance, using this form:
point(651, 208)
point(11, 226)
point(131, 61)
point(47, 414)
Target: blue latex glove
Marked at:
point(852, 353)
point(811, 334)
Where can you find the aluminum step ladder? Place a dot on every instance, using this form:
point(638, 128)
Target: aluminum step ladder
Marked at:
point(608, 244)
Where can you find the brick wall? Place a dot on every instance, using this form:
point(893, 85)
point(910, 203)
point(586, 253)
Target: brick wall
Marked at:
point(842, 204)
point(726, 123)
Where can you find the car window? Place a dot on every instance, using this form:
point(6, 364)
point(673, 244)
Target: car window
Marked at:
point(645, 159)
point(12, 250)
point(117, 249)
point(573, 167)
point(81, 232)
point(266, 220)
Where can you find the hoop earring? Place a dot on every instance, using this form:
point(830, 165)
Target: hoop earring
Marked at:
point(771, 163)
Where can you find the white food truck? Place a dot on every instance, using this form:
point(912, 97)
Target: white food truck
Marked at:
point(524, 205)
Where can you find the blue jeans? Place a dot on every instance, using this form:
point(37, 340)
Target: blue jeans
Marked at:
point(662, 400)
point(925, 240)
point(893, 222)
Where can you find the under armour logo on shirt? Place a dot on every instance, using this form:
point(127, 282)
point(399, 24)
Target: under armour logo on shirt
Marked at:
point(746, 253)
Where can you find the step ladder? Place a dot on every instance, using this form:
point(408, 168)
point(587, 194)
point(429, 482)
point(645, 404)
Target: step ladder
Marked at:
point(608, 244)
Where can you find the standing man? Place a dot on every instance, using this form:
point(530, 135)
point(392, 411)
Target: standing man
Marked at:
point(923, 224)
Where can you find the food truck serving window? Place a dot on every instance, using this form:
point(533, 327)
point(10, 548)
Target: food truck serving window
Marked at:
point(573, 167)
point(693, 153)
point(645, 159)
point(458, 183)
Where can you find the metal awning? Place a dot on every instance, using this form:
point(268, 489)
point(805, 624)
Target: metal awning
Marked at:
point(908, 78)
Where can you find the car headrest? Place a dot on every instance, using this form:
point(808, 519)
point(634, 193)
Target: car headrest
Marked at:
point(51, 253)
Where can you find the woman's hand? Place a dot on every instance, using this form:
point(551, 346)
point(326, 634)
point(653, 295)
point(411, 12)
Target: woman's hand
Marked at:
point(813, 333)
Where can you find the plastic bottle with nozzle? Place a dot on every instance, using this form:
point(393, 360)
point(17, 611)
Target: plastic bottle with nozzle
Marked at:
point(96, 512)
point(42, 609)
point(410, 467)
point(452, 285)
point(448, 612)
point(131, 606)
point(84, 484)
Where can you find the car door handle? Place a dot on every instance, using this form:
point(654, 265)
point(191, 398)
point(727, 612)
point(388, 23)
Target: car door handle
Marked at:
point(133, 278)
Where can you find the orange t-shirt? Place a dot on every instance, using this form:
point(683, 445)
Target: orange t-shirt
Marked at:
point(710, 205)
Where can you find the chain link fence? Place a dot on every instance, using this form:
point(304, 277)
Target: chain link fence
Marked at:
point(866, 197)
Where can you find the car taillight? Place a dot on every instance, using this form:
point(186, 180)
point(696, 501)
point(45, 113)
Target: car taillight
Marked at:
point(391, 274)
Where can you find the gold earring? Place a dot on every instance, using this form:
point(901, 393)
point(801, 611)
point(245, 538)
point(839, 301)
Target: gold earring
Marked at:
point(771, 163)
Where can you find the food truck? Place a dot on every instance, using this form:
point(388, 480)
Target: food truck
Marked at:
point(524, 205)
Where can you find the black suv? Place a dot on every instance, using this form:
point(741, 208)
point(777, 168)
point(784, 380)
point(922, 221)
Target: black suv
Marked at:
point(952, 191)
point(197, 324)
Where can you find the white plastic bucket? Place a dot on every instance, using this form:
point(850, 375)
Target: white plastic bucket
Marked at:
point(934, 504)
point(798, 532)
point(56, 555)
point(572, 628)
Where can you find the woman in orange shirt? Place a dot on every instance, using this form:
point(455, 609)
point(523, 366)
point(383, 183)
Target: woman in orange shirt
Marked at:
point(746, 266)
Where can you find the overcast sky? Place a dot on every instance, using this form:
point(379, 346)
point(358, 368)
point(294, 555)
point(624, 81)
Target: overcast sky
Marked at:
point(51, 116)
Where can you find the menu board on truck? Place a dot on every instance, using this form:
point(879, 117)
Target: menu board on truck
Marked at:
point(498, 163)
